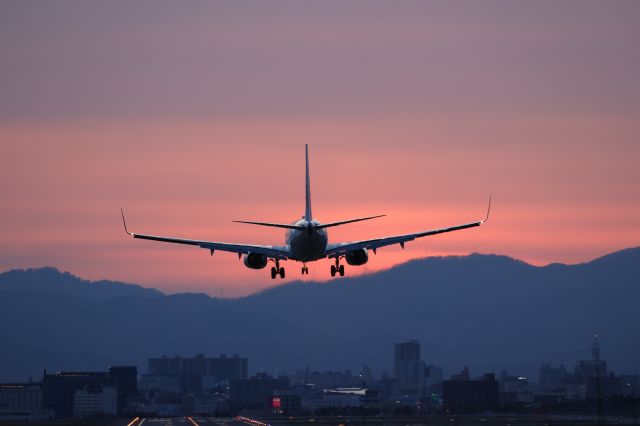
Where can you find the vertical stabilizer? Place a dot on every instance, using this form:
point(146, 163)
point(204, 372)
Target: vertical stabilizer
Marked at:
point(307, 212)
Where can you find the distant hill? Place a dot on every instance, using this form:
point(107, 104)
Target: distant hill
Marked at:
point(486, 311)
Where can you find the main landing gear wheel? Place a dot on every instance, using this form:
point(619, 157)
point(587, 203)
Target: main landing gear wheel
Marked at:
point(337, 269)
point(277, 270)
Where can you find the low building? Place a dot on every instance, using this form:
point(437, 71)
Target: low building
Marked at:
point(59, 390)
point(471, 396)
point(328, 379)
point(350, 397)
point(163, 384)
point(285, 402)
point(256, 393)
point(630, 385)
point(103, 402)
point(514, 390)
point(20, 401)
point(603, 387)
point(197, 373)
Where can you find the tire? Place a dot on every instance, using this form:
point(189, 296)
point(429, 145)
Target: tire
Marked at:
point(341, 270)
point(282, 273)
point(273, 273)
point(333, 270)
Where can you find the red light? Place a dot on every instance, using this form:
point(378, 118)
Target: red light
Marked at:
point(275, 402)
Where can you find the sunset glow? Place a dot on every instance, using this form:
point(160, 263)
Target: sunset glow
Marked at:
point(191, 125)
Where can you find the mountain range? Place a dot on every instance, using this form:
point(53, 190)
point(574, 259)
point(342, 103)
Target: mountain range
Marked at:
point(489, 312)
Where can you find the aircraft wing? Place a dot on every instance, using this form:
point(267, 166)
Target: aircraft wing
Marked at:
point(272, 252)
point(340, 249)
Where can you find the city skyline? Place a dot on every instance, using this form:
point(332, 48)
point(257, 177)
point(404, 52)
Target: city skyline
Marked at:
point(220, 386)
point(106, 107)
point(409, 370)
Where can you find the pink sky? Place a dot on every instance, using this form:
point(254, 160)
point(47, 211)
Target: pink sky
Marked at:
point(190, 116)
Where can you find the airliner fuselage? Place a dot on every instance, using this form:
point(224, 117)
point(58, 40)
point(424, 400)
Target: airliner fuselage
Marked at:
point(309, 244)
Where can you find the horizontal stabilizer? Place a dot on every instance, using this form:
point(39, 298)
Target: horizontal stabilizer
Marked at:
point(276, 225)
point(343, 222)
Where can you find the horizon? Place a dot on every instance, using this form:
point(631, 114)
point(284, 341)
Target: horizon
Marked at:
point(313, 281)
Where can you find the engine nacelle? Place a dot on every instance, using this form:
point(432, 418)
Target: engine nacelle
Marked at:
point(255, 260)
point(357, 257)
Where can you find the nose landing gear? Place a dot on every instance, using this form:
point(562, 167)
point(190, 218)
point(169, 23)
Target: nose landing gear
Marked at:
point(277, 270)
point(337, 268)
point(305, 270)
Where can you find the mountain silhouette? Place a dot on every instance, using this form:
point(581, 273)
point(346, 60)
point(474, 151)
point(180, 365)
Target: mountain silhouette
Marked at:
point(489, 312)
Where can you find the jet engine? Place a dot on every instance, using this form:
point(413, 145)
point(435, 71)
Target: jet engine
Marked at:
point(357, 257)
point(255, 260)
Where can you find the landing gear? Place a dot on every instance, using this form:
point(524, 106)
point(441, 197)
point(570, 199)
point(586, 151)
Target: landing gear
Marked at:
point(277, 270)
point(305, 270)
point(337, 268)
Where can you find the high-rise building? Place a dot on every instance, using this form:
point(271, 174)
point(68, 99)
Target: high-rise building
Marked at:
point(366, 376)
point(595, 367)
point(127, 383)
point(433, 379)
point(409, 369)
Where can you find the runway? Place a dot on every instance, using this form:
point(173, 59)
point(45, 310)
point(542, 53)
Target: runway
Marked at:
point(191, 421)
point(378, 421)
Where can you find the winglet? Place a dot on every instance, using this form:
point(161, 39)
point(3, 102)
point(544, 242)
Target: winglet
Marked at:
point(125, 222)
point(488, 210)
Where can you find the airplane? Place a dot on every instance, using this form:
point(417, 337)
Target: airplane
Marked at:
point(306, 241)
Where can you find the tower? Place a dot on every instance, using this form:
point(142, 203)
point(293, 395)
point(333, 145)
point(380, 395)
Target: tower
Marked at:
point(595, 348)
